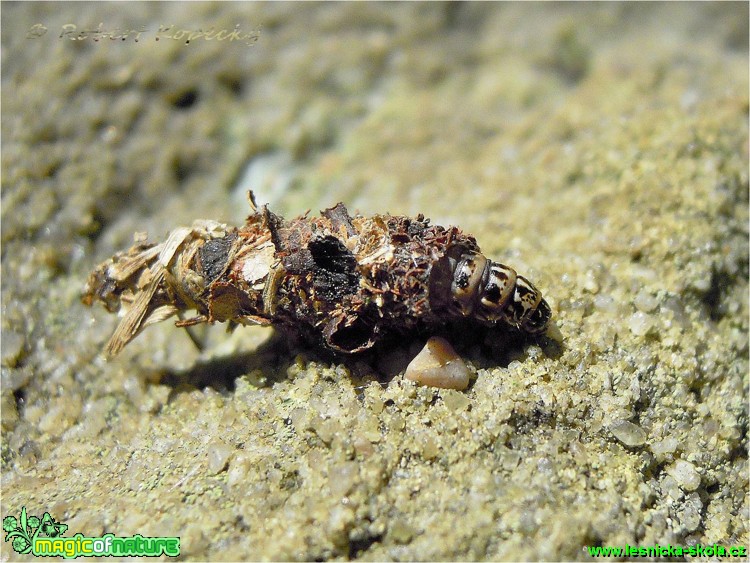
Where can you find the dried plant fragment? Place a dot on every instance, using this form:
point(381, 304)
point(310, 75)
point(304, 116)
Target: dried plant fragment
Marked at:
point(344, 281)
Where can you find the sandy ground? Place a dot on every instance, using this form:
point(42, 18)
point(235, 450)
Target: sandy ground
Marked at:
point(600, 149)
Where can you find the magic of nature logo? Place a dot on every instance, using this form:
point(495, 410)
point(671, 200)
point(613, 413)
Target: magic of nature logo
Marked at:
point(43, 537)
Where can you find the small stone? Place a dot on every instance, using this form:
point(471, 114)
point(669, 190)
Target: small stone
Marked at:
point(430, 448)
point(603, 302)
point(640, 323)
point(326, 429)
point(218, 457)
point(553, 332)
point(589, 283)
point(401, 532)
point(438, 365)
point(685, 474)
point(670, 488)
point(59, 417)
point(342, 478)
point(8, 411)
point(193, 538)
point(645, 302)
point(456, 401)
point(13, 379)
point(702, 284)
point(666, 446)
point(628, 433)
point(340, 522)
point(239, 468)
point(690, 515)
point(362, 446)
point(13, 345)
point(674, 304)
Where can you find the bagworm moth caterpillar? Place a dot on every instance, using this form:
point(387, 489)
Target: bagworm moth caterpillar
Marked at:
point(346, 281)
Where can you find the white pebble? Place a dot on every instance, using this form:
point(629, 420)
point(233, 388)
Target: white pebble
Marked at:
point(342, 477)
point(13, 344)
point(590, 284)
point(666, 446)
point(702, 284)
point(603, 302)
point(685, 474)
point(640, 323)
point(438, 365)
point(628, 433)
point(645, 302)
point(218, 456)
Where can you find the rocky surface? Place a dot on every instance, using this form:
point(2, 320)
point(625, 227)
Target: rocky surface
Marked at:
point(600, 149)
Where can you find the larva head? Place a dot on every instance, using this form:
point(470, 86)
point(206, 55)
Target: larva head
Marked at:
point(523, 303)
point(538, 320)
point(468, 277)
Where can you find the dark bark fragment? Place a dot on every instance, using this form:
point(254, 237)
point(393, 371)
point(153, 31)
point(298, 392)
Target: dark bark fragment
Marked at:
point(214, 256)
point(339, 217)
point(336, 268)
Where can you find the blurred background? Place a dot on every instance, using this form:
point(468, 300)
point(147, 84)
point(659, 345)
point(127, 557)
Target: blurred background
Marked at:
point(599, 148)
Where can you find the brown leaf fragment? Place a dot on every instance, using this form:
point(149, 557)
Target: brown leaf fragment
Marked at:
point(340, 220)
point(228, 302)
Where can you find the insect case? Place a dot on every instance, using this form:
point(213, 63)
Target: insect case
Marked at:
point(343, 281)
